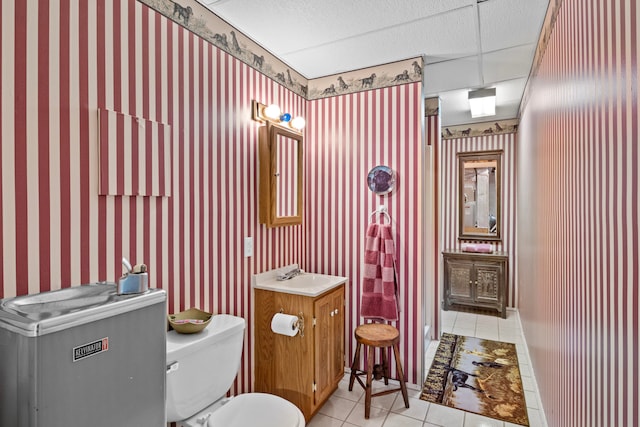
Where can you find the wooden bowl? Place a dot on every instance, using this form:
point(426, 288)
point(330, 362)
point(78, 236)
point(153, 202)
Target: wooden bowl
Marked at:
point(189, 321)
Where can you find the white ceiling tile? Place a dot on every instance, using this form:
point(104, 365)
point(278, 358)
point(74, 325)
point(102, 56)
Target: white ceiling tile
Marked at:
point(445, 76)
point(506, 23)
point(508, 63)
point(510, 90)
point(289, 26)
point(391, 44)
point(450, 34)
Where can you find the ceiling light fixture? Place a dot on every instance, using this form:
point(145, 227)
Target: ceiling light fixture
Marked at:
point(482, 102)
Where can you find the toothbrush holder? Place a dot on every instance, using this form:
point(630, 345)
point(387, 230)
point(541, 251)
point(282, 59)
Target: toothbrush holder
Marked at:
point(133, 283)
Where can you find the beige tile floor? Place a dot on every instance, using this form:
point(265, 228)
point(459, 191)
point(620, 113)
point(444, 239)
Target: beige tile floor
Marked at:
point(345, 408)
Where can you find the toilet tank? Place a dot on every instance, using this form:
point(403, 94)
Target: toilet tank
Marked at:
point(201, 367)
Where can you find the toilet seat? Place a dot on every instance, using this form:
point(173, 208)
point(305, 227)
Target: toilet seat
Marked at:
point(257, 409)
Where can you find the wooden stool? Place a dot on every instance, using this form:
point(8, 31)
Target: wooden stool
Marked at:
point(377, 335)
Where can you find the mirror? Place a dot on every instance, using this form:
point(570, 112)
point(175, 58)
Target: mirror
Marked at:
point(479, 195)
point(280, 157)
point(286, 175)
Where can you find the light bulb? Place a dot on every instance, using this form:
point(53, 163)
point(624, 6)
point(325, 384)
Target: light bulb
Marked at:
point(285, 117)
point(298, 122)
point(272, 111)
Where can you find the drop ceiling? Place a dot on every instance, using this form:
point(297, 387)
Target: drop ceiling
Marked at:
point(466, 44)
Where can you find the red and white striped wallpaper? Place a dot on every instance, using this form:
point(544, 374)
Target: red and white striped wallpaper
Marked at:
point(449, 196)
point(578, 216)
point(346, 136)
point(134, 156)
point(64, 60)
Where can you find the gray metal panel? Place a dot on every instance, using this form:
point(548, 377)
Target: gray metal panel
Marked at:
point(124, 385)
point(8, 377)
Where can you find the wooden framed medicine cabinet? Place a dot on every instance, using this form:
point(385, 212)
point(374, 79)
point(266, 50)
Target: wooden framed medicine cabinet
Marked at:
point(280, 166)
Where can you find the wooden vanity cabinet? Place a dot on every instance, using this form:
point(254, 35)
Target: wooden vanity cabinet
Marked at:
point(477, 280)
point(305, 369)
point(329, 343)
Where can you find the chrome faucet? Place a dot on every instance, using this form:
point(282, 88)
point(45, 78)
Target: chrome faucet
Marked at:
point(290, 274)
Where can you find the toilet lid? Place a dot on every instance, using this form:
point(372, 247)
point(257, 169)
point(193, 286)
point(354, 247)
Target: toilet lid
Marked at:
point(259, 410)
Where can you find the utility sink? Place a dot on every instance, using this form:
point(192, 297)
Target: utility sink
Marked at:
point(307, 284)
point(46, 312)
point(62, 301)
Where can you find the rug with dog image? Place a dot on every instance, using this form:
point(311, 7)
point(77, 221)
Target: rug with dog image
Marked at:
point(477, 375)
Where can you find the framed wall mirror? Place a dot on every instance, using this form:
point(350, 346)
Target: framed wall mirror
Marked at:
point(280, 158)
point(479, 196)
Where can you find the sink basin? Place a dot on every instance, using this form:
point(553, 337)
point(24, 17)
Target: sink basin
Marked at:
point(308, 284)
point(310, 280)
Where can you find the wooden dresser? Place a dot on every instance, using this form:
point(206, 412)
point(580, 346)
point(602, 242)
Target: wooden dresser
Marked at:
point(477, 280)
point(305, 369)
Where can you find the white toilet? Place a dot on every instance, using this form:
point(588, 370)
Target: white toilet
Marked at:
point(201, 368)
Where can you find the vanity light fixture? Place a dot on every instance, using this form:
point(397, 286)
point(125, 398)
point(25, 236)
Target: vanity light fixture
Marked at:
point(272, 113)
point(482, 102)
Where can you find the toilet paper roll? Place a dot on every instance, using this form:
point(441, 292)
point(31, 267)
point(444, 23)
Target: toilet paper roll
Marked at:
point(284, 324)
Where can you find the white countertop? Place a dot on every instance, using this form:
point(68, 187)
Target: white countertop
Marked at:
point(306, 284)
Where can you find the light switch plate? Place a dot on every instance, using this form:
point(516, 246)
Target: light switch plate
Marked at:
point(248, 246)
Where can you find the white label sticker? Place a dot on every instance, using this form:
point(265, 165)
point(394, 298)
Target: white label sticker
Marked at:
point(90, 349)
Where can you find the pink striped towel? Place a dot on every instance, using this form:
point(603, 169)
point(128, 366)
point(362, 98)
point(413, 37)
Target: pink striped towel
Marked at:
point(379, 290)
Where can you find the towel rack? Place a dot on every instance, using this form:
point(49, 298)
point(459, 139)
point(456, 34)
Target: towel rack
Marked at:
point(381, 210)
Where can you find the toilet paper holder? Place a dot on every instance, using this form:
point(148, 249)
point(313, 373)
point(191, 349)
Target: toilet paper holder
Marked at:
point(300, 323)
